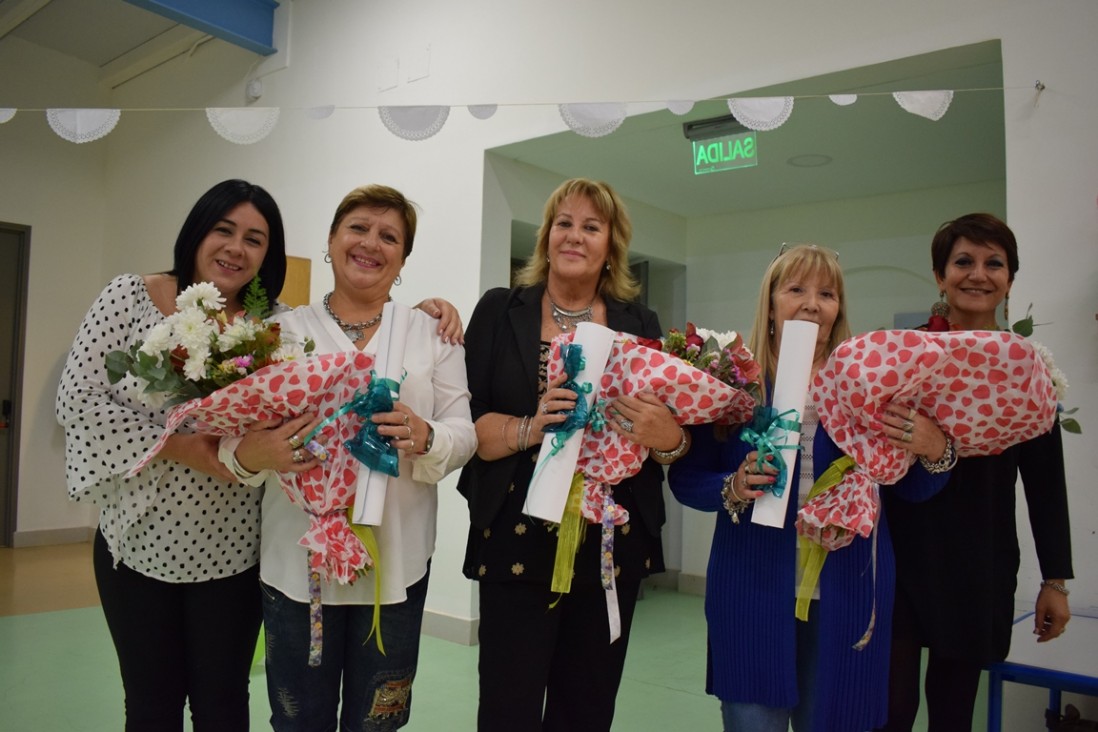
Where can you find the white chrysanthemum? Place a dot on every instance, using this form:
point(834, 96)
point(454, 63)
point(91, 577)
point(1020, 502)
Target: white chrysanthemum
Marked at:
point(288, 352)
point(159, 339)
point(722, 338)
point(1059, 381)
point(195, 366)
point(194, 331)
point(200, 294)
point(241, 330)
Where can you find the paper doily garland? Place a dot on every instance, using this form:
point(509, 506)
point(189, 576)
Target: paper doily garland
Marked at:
point(593, 120)
point(482, 111)
point(761, 113)
point(843, 100)
point(413, 123)
point(6, 115)
point(680, 106)
point(82, 125)
point(241, 125)
point(930, 104)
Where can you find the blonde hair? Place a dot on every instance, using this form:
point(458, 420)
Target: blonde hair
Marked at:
point(802, 262)
point(617, 282)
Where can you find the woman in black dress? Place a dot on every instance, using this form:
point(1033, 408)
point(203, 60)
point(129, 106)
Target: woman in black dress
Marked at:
point(957, 554)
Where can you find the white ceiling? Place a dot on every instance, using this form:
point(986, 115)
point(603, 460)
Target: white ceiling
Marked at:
point(875, 147)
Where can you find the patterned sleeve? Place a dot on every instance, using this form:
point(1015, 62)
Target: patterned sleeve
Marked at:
point(455, 435)
point(106, 428)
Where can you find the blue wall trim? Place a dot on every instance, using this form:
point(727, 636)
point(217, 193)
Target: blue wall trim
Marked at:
point(245, 23)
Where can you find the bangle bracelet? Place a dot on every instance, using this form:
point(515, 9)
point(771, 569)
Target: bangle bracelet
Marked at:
point(733, 503)
point(945, 463)
point(1062, 589)
point(673, 455)
point(503, 433)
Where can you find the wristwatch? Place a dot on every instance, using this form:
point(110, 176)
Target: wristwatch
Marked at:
point(430, 440)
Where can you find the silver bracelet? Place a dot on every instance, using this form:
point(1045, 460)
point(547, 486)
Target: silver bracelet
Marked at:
point(1062, 589)
point(947, 462)
point(733, 503)
point(675, 454)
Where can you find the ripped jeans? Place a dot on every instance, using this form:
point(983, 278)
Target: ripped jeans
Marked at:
point(376, 688)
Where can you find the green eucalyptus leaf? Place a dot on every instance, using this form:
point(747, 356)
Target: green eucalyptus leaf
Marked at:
point(1071, 425)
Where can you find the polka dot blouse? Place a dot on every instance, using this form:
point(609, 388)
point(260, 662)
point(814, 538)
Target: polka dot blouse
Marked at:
point(169, 522)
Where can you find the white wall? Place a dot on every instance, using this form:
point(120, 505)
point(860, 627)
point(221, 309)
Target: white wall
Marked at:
point(115, 204)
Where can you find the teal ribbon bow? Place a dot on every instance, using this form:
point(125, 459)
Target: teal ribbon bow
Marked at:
point(761, 433)
point(368, 446)
point(572, 355)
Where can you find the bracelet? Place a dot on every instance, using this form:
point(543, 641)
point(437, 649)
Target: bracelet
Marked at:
point(523, 437)
point(503, 433)
point(673, 455)
point(946, 463)
point(733, 503)
point(1062, 589)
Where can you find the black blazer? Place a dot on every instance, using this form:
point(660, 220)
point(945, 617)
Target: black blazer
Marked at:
point(501, 358)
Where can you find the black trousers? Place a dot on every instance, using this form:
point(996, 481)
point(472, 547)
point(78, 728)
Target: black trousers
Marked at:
point(951, 683)
point(180, 642)
point(550, 669)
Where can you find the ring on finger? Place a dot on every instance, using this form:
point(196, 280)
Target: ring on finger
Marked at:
point(405, 422)
point(412, 446)
point(297, 455)
point(908, 425)
point(545, 408)
point(906, 437)
point(626, 424)
point(295, 441)
point(409, 428)
point(911, 413)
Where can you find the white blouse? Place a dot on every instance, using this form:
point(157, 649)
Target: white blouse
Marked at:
point(169, 522)
point(436, 389)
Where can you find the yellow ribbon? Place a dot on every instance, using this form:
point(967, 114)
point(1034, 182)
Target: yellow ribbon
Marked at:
point(365, 534)
point(812, 555)
point(569, 536)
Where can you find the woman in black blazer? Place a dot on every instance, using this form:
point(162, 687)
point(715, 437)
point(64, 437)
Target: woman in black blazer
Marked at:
point(545, 658)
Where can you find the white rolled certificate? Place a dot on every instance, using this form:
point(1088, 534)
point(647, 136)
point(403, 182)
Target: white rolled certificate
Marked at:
point(548, 490)
point(795, 355)
point(388, 364)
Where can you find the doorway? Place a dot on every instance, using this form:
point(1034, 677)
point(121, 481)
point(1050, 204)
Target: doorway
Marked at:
point(14, 265)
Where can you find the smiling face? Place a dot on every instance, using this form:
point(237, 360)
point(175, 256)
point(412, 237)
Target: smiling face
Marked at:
point(232, 251)
point(579, 243)
point(975, 281)
point(810, 297)
point(367, 250)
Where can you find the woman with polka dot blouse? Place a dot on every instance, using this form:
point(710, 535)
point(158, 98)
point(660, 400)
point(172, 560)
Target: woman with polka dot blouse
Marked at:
point(177, 551)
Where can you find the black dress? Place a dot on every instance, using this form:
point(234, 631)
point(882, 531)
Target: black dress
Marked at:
point(957, 554)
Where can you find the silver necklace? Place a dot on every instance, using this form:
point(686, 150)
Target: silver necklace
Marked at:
point(354, 331)
point(566, 320)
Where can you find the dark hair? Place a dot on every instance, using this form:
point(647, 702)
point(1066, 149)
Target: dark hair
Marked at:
point(211, 208)
point(383, 197)
point(978, 228)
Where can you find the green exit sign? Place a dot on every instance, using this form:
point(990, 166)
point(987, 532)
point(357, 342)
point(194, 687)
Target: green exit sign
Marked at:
point(725, 153)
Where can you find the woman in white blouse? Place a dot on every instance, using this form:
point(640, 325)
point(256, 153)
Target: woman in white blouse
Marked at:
point(369, 240)
point(177, 550)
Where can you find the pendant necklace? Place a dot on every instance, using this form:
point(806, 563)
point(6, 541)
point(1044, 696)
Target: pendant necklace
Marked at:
point(354, 331)
point(566, 320)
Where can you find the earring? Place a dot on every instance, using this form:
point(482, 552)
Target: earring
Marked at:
point(1006, 310)
point(397, 281)
point(607, 266)
point(327, 257)
point(939, 315)
point(771, 327)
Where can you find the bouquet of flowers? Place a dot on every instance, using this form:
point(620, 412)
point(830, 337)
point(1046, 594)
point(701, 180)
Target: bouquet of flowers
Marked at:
point(987, 390)
point(724, 356)
point(198, 349)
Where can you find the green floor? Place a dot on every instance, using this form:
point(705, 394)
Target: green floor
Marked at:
point(59, 673)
